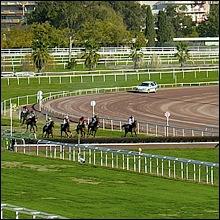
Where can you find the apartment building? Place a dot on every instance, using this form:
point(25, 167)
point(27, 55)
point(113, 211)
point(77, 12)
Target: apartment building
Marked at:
point(198, 10)
point(14, 12)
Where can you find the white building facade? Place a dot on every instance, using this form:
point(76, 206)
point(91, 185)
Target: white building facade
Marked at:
point(198, 10)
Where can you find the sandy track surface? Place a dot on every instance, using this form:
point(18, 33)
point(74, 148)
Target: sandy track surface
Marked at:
point(192, 107)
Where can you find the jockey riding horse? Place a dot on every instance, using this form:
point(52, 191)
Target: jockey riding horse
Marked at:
point(23, 115)
point(93, 126)
point(48, 128)
point(81, 127)
point(130, 128)
point(32, 121)
point(65, 127)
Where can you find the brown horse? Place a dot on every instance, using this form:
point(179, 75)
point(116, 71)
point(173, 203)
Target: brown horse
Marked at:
point(93, 127)
point(48, 130)
point(32, 122)
point(65, 128)
point(81, 128)
point(130, 128)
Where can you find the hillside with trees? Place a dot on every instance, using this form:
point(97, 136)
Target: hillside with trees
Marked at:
point(109, 23)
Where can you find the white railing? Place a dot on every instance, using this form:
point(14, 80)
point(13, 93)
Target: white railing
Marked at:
point(163, 166)
point(117, 73)
point(33, 213)
point(110, 50)
point(122, 71)
point(115, 61)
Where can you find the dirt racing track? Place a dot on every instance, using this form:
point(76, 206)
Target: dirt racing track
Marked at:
point(192, 107)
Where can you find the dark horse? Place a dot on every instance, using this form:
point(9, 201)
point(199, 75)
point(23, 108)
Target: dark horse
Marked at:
point(93, 127)
point(65, 128)
point(48, 130)
point(81, 128)
point(23, 117)
point(130, 128)
point(32, 122)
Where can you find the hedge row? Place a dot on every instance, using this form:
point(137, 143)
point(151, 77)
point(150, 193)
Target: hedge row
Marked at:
point(133, 140)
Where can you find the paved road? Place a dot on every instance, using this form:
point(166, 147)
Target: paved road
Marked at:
point(192, 107)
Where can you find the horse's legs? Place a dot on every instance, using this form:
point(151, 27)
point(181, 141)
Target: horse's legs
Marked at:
point(32, 128)
point(135, 133)
point(68, 130)
point(66, 133)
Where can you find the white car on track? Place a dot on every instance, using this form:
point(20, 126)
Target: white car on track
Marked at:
point(147, 86)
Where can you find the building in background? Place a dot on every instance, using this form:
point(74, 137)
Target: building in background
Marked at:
point(14, 12)
point(198, 10)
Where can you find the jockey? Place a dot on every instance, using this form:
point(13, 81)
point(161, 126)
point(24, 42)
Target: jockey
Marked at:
point(130, 121)
point(31, 114)
point(25, 110)
point(49, 120)
point(94, 119)
point(66, 120)
point(81, 121)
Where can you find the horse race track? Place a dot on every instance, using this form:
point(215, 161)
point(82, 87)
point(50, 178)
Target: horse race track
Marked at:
point(192, 107)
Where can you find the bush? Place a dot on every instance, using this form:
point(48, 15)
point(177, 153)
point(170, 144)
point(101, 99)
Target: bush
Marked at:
point(136, 139)
point(72, 64)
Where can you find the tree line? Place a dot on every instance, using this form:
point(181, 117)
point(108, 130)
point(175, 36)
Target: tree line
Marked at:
point(92, 24)
point(109, 23)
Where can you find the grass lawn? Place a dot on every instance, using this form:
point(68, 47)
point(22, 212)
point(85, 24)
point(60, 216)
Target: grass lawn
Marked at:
point(66, 84)
point(84, 191)
point(202, 154)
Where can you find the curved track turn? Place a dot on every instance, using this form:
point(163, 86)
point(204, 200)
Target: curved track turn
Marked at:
point(192, 107)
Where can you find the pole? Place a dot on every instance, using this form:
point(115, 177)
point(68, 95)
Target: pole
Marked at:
point(93, 110)
point(11, 117)
point(70, 48)
point(167, 121)
point(167, 126)
point(175, 78)
point(40, 104)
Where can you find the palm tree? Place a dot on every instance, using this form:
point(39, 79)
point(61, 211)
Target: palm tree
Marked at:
point(182, 53)
point(40, 55)
point(136, 56)
point(90, 55)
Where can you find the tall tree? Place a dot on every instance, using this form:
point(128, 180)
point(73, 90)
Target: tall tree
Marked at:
point(182, 53)
point(90, 55)
point(40, 44)
point(132, 12)
point(150, 32)
point(136, 56)
point(182, 23)
point(210, 28)
point(165, 32)
point(40, 56)
point(17, 37)
point(136, 53)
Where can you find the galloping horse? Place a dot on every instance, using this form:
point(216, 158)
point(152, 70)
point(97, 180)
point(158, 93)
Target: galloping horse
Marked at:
point(65, 128)
point(129, 128)
point(81, 128)
point(93, 127)
point(48, 130)
point(32, 122)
